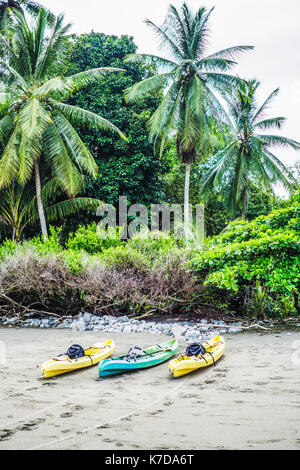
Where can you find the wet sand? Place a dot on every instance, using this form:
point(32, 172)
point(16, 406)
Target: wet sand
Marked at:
point(250, 400)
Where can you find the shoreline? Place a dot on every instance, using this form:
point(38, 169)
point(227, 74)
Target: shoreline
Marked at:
point(186, 329)
point(234, 402)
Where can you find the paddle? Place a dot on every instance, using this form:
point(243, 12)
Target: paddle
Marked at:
point(144, 355)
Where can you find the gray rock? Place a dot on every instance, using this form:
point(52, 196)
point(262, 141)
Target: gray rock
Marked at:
point(193, 333)
point(97, 328)
point(87, 317)
point(205, 328)
point(81, 326)
point(235, 330)
point(127, 329)
point(178, 331)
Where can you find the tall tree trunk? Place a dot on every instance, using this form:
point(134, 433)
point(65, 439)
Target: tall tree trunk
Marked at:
point(13, 235)
point(187, 199)
point(38, 189)
point(244, 202)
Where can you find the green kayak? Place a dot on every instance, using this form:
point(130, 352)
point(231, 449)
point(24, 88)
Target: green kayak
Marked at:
point(149, 357)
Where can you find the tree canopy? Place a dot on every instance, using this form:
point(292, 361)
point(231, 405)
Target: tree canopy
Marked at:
point(125, 168)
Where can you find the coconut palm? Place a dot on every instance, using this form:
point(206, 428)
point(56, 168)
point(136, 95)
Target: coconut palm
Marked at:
point(248, 153)
point(8, 7)
point(37, 124)
point(18, 207)
point(191, 80)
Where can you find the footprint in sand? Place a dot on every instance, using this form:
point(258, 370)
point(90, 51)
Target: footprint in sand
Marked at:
point(6, 434)
point(127, 418)
point(77, 408)
point(66, 415)
point(156, 412)
point(30, 425)
point(209, 381)
point(168, 403)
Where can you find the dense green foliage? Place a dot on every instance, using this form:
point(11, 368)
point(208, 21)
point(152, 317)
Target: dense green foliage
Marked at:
point(217, 213)
point(250, 269)
point(258, 261)
point(125, 168)
point(36, 125)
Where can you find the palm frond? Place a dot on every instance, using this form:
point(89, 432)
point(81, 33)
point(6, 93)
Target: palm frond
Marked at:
point(86, 118)
point(33, 119)
point(215, 63)
point(64, 209)
point(270, 123)
point(6, 127)
point(148, 85)
point(58, 159)
point(78, 150)
point(160, 62)
point(47, 61)
point(166, 115)
point(265, 105)
point(165, 41)
point(279, 141)
point(10, 161)
point(230, 53)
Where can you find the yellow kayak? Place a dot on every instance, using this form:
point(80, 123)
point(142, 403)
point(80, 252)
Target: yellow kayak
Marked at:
point(93, 355)
point(182, 365)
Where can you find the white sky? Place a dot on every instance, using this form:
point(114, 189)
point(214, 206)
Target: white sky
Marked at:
point(272, 26)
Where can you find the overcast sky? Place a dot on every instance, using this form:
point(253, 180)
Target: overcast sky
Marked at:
point(272, 26)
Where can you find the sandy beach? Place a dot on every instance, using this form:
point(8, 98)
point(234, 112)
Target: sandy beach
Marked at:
point(250, 400)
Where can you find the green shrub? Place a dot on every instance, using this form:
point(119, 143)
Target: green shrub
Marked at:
point(153, 244)
point(257, 261)
point(73, 260)
point(47, 246)
point(92, 239)
point(125, 257)
point(8, 247)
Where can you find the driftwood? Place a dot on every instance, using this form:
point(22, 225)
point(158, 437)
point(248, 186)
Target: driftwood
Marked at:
point(26, 309)
point(253, 325)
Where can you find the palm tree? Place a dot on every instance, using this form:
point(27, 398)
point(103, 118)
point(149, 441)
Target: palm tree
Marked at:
point(247, 154)
point(8, 7)
point(37, 125)
point(191, 80)
point(18, 206)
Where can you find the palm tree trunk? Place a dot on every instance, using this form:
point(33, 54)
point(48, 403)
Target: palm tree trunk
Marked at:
point(187, 199)
point(38, 189)
point(244, 203)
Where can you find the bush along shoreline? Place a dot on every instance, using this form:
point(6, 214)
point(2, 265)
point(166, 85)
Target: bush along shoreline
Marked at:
point(249, 271)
